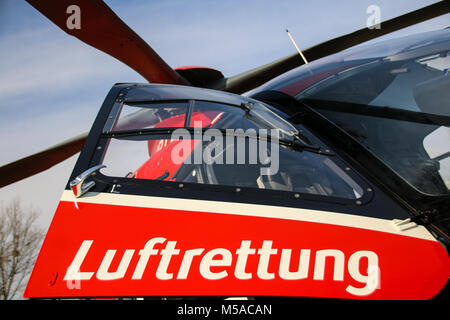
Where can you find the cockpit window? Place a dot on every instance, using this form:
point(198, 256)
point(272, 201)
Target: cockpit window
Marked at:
point(205, 142)
point(196, 113)
point(150, 115)
point(254, 115)
point(395, 106)
point(418, 85)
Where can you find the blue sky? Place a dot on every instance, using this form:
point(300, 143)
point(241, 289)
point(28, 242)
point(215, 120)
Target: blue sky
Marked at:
point(52, 85)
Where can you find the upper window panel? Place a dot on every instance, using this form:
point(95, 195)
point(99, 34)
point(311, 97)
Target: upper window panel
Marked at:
point(196, 114)
point(243, 145)
point(150, 115)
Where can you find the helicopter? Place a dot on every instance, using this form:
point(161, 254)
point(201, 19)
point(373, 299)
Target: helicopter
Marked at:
point(314, 184)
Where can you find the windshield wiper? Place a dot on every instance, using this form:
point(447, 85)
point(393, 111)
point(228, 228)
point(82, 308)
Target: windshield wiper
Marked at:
point(299, 142)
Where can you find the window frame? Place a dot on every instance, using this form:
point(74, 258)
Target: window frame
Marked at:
point(114, 115)
point(374, 202)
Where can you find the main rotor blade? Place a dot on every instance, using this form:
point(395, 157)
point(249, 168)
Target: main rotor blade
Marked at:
point(101, 28)
point(253, 78)
point(38, 162)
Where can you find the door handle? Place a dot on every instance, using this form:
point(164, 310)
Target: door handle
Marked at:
point(79, 186)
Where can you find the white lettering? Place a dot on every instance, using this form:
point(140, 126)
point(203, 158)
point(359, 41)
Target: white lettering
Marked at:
point(73, 272)
point(265, 252)
point(243, 252)
point(303, 265)
point(182, 148)
point(186, 263)
point(166, 255)
point(103, 274)
point(372, 280)
point(145, 256)
point(210, 261)
point(319, 268)
point(216, 147)
point(374, 20)
point(186, 147)
point(74, 20)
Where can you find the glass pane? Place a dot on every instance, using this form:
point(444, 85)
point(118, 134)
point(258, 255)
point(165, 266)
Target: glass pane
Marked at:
point(123, 157)
point(146, 116)
point(401, 101)
point(403, 146)
point(210, 114)
point(419, 85)
point(228, 161)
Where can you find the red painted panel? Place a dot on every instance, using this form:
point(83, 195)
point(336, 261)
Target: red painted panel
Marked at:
point(409, 268)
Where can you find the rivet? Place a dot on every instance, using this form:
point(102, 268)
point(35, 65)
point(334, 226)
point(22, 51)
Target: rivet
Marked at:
point(296, 195)
point(358, 202)
point(238, 189)
point(181, 185)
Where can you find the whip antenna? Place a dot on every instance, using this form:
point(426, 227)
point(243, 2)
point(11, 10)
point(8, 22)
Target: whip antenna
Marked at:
point(298, 49)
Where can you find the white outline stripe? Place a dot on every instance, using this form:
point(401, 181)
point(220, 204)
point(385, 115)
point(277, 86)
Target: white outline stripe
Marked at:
point(245, 209)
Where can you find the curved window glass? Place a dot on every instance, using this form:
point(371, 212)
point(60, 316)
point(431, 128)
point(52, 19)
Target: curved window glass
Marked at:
point(151, 115)
point(398, 107)
point(205, 142)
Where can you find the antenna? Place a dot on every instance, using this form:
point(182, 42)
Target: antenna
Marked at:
point(298, 49)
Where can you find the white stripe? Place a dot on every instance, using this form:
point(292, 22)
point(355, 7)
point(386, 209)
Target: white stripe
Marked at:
point(245, 209)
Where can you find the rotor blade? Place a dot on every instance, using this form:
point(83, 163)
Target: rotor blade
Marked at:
point(94, 23)
point(253, 78)
point(38, 162)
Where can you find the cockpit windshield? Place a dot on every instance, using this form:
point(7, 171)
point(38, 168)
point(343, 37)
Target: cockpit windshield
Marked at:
point(243, 145)
point(398, 107)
